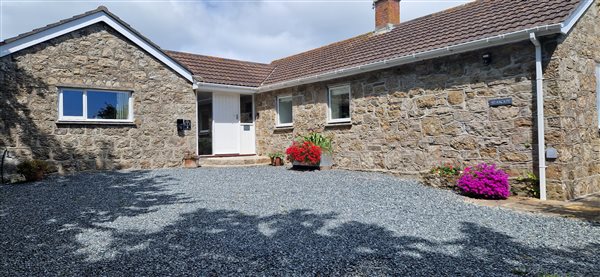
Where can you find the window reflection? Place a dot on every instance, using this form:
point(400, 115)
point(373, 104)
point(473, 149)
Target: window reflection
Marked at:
point(107, 105)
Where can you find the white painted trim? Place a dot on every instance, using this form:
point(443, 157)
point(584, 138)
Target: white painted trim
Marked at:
point(198, 132)
point(502, 39)
point(88, 20)
point(210, 87)
point(598, 92)
point(339, 120)
point(278, 124)
point(254, 121)
point(212, 123)
point(539, 85)
point(575, 16)
point(83, 118)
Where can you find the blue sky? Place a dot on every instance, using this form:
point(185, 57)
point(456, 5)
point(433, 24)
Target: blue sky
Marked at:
point(249, 30)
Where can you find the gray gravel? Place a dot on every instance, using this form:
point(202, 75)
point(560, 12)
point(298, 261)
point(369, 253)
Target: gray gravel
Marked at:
point(270, 221)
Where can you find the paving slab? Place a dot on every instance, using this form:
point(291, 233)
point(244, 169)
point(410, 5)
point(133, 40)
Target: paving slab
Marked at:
point(584, 208)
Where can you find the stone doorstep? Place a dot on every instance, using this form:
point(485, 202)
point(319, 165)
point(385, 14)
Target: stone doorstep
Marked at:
point(585, 208)
point(233, 161)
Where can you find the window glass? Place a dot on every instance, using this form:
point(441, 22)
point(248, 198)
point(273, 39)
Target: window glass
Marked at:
point(246, 108)
point(107, 105)
point(339, 103)
point(72, 102)
point(204, 112)
point(285, 110)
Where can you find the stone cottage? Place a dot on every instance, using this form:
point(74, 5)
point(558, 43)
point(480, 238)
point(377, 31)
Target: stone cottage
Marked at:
point(508, 82)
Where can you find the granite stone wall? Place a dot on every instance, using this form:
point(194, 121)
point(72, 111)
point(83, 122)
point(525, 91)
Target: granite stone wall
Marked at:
point(93, 57)
point(571, 109)
point(407, 119)
point(411, 118)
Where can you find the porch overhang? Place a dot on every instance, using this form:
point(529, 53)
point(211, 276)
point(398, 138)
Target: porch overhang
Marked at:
point(211, 87)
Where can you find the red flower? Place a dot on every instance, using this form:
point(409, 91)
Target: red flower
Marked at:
point(305, 152)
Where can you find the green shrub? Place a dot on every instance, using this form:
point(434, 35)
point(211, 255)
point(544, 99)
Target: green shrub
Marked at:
point(276, 155)
point(318, 140)
point(446, 170)
point(528, 183)
point(33, 170)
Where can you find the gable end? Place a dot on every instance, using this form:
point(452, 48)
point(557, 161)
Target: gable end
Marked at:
point(11, 46)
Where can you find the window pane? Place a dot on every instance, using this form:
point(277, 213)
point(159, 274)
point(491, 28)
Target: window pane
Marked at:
point(246, 108)
point(205, 114)
point(107, 105)
point(340, 103)
point(285, 110)
point(72, 103)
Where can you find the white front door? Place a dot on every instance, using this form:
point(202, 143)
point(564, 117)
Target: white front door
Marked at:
point(226, 123)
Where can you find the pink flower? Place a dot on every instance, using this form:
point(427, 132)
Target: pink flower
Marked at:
point(484, 181)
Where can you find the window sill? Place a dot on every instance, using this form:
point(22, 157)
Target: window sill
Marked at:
point(91, 122)
point(339, 124)
point(284, 127)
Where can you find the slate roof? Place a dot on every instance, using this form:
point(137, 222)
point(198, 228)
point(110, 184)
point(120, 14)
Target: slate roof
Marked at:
point(224, 71)
point(469, 22)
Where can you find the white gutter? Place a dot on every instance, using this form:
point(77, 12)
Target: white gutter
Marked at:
point(210, 87)
point(440, 52)
point(539, 86)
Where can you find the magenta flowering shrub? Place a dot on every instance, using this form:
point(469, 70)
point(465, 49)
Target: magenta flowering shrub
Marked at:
point(485, 181)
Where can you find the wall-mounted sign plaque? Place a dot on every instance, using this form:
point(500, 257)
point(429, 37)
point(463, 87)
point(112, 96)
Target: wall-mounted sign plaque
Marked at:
point(500, 102)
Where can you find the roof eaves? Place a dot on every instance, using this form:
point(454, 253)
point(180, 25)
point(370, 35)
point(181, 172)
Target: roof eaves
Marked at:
point(574, 17)
point(501, 39)
point(213, 87)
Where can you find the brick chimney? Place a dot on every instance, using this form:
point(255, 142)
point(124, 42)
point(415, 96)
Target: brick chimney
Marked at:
point(386, 12)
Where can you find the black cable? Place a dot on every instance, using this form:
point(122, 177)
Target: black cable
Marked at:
point(2, 166)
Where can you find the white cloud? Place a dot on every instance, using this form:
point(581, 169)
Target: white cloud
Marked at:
point(250, 30)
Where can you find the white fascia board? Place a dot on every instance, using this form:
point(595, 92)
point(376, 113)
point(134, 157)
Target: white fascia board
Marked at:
point(83, 22)
point(575, 16)
point(436, 53)
point(210, 87)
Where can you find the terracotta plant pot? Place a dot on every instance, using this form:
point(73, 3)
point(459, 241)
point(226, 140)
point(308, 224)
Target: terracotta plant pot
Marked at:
point(190, 163)
point(278, 161)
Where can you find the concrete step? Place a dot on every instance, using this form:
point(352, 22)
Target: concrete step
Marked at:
point(234, 161)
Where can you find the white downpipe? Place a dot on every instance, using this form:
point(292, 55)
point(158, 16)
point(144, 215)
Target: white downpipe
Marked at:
point(539, 85)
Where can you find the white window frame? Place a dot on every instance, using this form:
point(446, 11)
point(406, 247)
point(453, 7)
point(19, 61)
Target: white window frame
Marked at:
point(339, 120)
point(279, 124)
point(83, 118)
point(598, 93)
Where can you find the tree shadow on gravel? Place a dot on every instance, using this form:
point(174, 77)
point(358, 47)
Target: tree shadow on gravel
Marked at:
point(91, 229)
point(42, 224)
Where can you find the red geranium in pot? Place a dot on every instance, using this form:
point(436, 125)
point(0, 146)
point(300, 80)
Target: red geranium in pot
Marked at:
point(304, 153)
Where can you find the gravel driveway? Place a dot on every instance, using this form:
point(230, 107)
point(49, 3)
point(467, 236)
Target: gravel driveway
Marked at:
point(272, 221)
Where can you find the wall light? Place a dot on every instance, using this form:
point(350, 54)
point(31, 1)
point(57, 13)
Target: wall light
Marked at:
point(487, 58)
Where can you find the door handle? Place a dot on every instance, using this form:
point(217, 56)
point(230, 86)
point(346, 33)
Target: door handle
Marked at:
point(237, 117)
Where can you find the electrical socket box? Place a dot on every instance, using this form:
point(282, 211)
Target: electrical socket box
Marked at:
point(551, 153)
